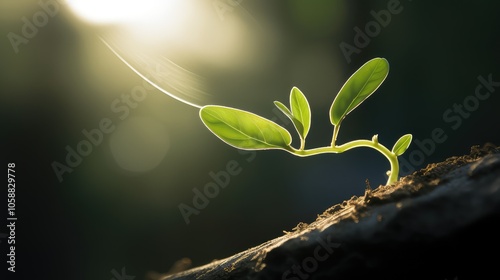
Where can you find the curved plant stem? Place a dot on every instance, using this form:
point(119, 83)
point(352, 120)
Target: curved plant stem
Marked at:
point(393, 159)
point(302, 144)
point(335, 134)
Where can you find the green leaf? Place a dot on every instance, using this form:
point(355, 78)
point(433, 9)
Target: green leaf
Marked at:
point(402, 144)
point(296, 123)
point(358, 87)
point(284, 109)
point(301, 111)
point(244, 130)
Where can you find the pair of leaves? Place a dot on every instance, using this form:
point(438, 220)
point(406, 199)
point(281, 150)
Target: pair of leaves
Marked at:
point(299, 113)
point(248, 131)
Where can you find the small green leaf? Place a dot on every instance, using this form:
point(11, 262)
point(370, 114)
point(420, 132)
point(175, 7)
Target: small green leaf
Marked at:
point(402, 144)
point(301, 111)
point(358, 87)
point(284, 109)
point(296, 123)
point(243, 129)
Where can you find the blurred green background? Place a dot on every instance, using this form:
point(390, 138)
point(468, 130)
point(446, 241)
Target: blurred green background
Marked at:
point(119, 207)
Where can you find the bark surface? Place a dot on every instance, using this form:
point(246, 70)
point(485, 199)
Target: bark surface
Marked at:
point(438, 223)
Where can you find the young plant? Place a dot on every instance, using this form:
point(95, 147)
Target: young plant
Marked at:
point(245, 130)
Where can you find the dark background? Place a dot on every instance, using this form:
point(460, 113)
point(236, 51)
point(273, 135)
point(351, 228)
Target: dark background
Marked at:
point(103, 218)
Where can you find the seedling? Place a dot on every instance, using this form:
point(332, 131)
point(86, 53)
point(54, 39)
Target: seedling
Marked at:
point(248, 131)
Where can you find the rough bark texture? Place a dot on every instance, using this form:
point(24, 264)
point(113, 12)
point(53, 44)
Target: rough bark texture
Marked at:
point(437, 223)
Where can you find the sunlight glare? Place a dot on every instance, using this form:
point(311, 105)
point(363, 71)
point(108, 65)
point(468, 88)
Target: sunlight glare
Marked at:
point(187, 39)
point(120, 11)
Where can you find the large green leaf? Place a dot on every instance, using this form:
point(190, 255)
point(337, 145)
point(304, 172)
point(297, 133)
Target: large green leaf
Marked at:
point(402, 144)
point(301, 111)
point(358, 88)
point(243, 129)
